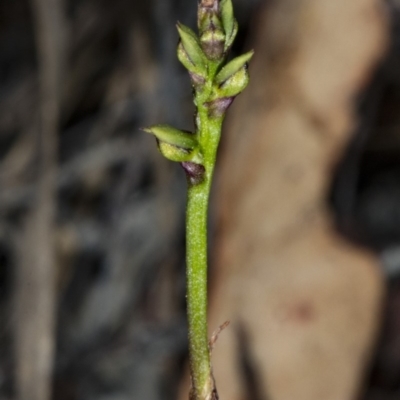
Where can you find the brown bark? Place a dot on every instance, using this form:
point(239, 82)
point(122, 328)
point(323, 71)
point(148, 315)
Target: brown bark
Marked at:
point(35, 294)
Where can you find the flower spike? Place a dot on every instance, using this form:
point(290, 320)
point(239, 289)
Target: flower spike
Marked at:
point(215, 83)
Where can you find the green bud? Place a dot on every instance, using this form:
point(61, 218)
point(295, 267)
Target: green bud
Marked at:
point(188, 64)
point(235, 83)
point(191, 46)
point(232, 67)
point(174, 153)
point(228, 22)
point(172, 136)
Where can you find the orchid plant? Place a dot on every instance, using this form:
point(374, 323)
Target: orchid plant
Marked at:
point(216, 82)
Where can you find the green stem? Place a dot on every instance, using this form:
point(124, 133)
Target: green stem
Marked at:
point(196, 253)
point(196, 257)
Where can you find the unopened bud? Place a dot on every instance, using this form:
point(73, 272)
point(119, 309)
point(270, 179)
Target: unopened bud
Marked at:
point(194, 70)
point(174, 153)
point(173, 136)
point(213, 43)
point(190, 53)
point(212, 34)
point(233, 67)
point(198, 81)
point(229, 22)
point(235, 83)
point(218, 107)
point(194, 172)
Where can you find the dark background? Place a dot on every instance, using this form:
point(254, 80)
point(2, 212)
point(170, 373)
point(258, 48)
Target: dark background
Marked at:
point(119, 231)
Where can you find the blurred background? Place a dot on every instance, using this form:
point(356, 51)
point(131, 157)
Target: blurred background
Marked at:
point(87, 202)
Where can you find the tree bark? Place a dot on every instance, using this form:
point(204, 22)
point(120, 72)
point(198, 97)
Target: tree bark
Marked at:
point(36, 265)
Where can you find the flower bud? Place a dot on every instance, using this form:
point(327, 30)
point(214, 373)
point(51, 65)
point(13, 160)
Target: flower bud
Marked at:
point(232, 67)
point(218, 107)
point(190, 53)
point(174, 153)
point(229, 22)
point(194, 172)
point(212, 34)
point(213, 43)
point(235, 84)
point(206, 10)
point(198, 81)
point(173, 136)
point(197, 74)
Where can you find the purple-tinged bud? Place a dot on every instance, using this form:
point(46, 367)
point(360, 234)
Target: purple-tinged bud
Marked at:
point(217, 108)
point(213, 43)
point(211, 31)
point(194, 172)
point(197, 80)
